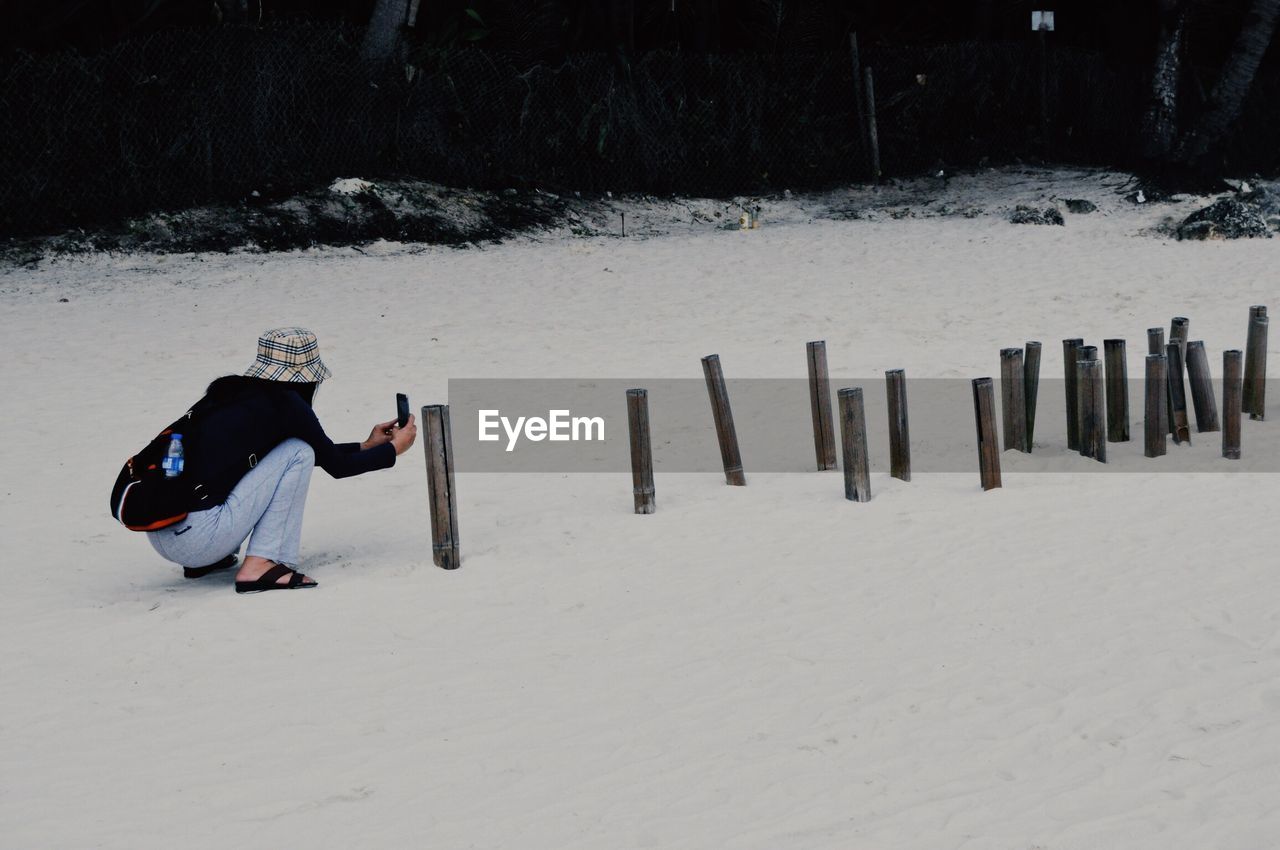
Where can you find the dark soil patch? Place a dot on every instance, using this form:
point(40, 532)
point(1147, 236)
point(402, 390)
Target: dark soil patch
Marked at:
point(1159, 185)
point(1031, 215)
point(399, 210)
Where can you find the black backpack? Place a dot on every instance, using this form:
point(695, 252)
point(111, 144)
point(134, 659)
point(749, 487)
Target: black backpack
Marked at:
point(143, 499)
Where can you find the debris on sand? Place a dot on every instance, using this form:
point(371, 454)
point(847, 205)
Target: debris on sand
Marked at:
point(1265, 201)
point(1079, 206)
point(1227, 218)
point(1023, 214)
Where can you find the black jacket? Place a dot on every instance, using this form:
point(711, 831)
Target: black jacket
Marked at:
point(241, 419)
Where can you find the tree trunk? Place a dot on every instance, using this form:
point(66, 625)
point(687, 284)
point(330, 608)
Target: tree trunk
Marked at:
point(707, 35)
point(386, 25)
point(1160, 123)
point(622, 25)
point(1227, 99)
point(983, 20)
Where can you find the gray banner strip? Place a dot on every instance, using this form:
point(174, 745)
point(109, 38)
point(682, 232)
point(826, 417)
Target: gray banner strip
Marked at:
point(580, 425)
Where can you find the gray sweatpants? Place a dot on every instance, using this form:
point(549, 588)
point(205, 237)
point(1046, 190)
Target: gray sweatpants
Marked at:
point(266, 507)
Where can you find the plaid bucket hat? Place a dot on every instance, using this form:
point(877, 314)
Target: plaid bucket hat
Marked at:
point(288, 354)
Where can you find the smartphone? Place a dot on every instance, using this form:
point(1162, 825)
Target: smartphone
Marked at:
point(402, 409)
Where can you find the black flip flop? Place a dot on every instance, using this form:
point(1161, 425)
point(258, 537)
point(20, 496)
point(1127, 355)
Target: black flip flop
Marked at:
point(200, 572)
point(268, 581)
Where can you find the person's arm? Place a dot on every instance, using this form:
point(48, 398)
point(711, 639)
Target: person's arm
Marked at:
point(381, 433)
point(339, 461)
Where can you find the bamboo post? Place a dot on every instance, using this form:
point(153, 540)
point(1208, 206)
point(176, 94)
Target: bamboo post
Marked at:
point(873, 132)
point(1083, 353)
point(984, 416)
point(853, 439)
point(1070, 353)
point(1031, 387)
point(1177, 395)
point(725, 433)
point(1178, 330)
point(641, 451)
point(1155, 341)
point(1157, 396)
point(1256, 367)
point(824, 440)
point(1251, 362)
point(440, 487)
point(1013, 399)
point(1201, 387)
point(899, 434)
point(1093, 437)
point(1232, 387)
point(1117, 391)
point(1155, 345)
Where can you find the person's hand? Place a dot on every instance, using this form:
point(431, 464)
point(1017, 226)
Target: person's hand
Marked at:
point(402, 438)
point(381, 433)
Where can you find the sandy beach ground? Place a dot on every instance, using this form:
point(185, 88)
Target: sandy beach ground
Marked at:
point(1074, 661)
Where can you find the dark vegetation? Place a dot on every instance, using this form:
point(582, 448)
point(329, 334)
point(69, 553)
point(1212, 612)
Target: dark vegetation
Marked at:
point(403, 211)
point(111, 110)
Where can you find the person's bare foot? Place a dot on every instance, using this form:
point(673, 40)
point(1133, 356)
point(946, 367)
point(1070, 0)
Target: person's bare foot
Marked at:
point(253, 568)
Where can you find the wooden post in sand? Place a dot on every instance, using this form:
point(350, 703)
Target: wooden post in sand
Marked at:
point(1178, 425)
point(824, 439)
point(1013, 399)
point(1255, 365)
point(1083, 353)
point(641, 451)
point(725, 433)
point(1031, 387)
point(1157, 396)
point(1232, 372)
point(1178, 330)
point(1201, 387)
point(899, 434)
point(1179, 327)
point(984, 416)
point(1155, 341)
point(1070, 353)
point(1155, 345)
point(1250, 364)
point(440, 487)
point(1117, 391)
point(1093, 431)
point(853, 440)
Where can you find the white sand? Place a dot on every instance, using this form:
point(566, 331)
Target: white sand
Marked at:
point(1074, 661)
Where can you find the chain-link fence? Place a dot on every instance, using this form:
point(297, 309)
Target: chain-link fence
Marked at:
point(187, 117)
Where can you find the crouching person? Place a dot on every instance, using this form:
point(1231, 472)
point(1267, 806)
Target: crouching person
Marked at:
point(254, 445)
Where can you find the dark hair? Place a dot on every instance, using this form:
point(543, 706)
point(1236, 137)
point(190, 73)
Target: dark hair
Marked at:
point(230, 385)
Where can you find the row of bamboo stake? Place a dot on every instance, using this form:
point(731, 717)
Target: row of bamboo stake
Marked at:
point(853, 430)
point(1097, 406)
point(1097, 412)
point(1097, 402)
